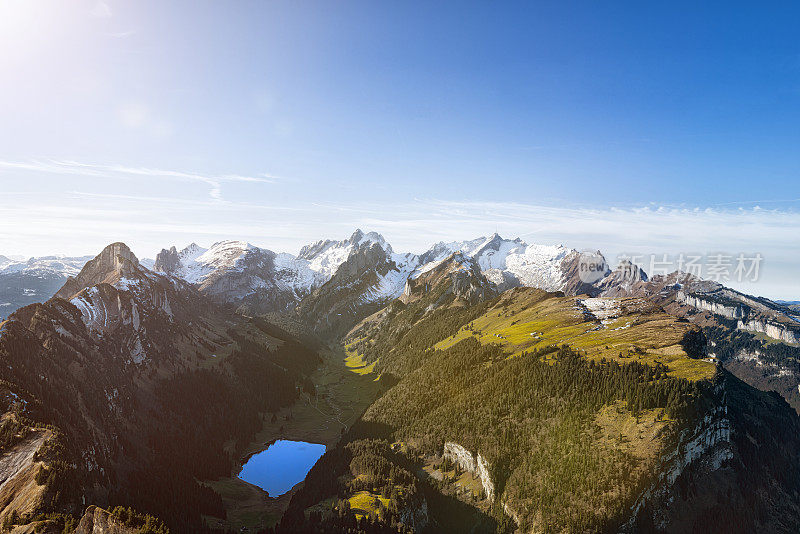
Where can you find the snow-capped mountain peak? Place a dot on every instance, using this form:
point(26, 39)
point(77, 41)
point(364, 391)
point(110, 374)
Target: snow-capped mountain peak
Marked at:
point(191, 252)
point(325, 256)
point(222, 254)
point(505, 261)
point(60, 264)
point(359, 238)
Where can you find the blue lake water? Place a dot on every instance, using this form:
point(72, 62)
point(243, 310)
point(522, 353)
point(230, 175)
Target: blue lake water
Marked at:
point(284, 464)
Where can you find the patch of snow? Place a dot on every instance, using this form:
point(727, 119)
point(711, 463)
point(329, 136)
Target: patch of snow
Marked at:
point(537, 265)
point(126, 283)
point(198, 263)
point(391, 285)
point(135, 315)
point(138, 353)
point(328, 261)
point(85, 304)
point(297, 273)
point(61, 330)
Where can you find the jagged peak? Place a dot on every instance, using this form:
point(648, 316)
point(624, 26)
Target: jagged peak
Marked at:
point(191, 251)
point(118, 250)
point(497, 238)
point(628, 271)
point(323, 247)
point(359, 238)
point(116, 261)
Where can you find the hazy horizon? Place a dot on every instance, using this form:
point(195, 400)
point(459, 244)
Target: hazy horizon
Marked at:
point(630, 130)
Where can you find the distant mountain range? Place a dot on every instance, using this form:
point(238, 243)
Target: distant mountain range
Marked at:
point(262, 280)
point(24, 282)
point(258, 280)
point(146, 383)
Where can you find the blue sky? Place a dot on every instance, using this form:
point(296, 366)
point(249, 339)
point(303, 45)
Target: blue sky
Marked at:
point(626, 127)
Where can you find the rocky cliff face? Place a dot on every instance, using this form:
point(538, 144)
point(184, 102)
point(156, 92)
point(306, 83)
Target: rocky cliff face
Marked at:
point(471, 463)
point(781, 332)
point(99, 521)
point(167, 261)
point(119, 299)
point(717, 477)
point(115, 263)
point(706, 443)
point(752, 315)
point(729, 311)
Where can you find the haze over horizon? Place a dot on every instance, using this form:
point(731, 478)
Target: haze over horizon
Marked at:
point(629, 129)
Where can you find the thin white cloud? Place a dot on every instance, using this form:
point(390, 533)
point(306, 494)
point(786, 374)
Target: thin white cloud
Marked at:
point(66, 167)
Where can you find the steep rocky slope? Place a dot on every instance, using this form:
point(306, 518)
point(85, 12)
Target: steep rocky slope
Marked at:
point(456, 277)
point(146, 387)
point(372, 276)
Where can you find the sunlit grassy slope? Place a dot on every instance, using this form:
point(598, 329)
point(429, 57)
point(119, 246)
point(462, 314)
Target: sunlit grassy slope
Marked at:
point(634, 330)
point(355, 363)
point(364, 502)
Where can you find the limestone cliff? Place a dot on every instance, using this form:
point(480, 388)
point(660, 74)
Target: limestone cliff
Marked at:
point(471, 463)
point(734, 458)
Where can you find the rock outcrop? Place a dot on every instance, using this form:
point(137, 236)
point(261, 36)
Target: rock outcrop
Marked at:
point(167, 261)
point(471, 463)
point(114, 263)
point(731, 311)
point(99, 521)
point(775, 330)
